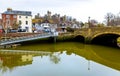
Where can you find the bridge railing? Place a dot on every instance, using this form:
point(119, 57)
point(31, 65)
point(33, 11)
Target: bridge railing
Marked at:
point(25, 38)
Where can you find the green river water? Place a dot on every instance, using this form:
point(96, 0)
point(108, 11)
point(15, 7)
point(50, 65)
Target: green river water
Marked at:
point(60, 59)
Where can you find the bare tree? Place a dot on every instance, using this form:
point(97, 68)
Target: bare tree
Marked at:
point(109, 18)
point(16, 25)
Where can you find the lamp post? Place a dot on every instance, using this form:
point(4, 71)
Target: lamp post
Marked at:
point(89, 21)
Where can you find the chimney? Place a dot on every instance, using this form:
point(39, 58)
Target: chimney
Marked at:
point(9, 9)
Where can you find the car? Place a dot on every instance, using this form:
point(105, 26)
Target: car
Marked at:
point(13, 31)
point(22, 30)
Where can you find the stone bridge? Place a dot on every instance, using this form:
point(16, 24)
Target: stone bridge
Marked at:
point(98, 35)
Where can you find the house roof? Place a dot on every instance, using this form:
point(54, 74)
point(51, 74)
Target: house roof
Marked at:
point(10, 11)
point(37, 20)
point(42, 20)
point(46, 21)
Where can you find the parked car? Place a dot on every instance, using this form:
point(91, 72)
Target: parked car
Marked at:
point(13, 31)
point(2, 31)
point(22, 30)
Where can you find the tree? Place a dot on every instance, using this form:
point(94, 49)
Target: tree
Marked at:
point(116, 20)
point(109, 18)
point(16, 25)
point(93, 23)
point(69, 29)
point(82, 24)
point(100, 25)
point(37, 16)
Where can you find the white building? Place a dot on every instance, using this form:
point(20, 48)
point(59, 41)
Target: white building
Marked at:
point(25, 22)
point(75, 26)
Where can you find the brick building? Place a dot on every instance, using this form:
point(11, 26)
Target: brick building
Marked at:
point(0, 22)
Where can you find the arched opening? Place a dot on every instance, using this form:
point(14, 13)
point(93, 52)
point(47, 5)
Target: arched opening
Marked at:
point(118, 41)
point(106, 39)
point(79, 38)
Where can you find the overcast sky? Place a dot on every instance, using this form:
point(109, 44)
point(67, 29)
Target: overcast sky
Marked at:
point(79, 9)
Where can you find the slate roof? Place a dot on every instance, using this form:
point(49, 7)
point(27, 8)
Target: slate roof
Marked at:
point(28, 13)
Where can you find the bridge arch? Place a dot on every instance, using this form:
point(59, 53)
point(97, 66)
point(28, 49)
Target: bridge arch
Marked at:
point(79, 38)
point(109, 39)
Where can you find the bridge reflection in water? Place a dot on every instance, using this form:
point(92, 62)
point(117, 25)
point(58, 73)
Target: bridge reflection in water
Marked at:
point(106, 56)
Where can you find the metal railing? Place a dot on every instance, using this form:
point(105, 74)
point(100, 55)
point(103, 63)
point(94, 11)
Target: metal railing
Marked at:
point(26, 38)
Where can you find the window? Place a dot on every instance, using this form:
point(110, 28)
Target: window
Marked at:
point(20, 22)
point(7, 16)
point(14, 16)
point(8, 22)
point(26, 22)
point(19, 16)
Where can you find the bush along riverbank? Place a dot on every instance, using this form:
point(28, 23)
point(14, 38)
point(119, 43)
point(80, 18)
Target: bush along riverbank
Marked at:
point(64, 38)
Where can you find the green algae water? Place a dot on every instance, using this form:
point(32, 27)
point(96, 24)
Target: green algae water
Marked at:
point(60, 59)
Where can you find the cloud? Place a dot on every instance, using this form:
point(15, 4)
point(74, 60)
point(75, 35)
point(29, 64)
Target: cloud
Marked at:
point(77, 8)
point(40, 3)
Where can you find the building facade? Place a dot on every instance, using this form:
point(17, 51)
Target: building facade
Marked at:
point(0, 22)
point(20, 20)
point(1, 28)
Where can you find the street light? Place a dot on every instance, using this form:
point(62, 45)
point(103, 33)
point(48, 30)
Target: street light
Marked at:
point(89, 21)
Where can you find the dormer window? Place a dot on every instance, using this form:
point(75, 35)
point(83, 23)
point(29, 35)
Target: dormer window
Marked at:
point(19, 16)
point(26, 16)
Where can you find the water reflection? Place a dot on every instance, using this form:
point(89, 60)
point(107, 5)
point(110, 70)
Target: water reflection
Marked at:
point(26, 58)
point(23, 56)
point(55, 58)
point(9, 60)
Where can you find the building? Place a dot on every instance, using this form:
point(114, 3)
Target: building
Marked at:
point(41, 25)
point(19, 20)
point(0, 22)
point(1, 29)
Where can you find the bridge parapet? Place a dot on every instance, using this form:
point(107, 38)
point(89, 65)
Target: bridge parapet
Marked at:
point(90, 33)
point(93, 32)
